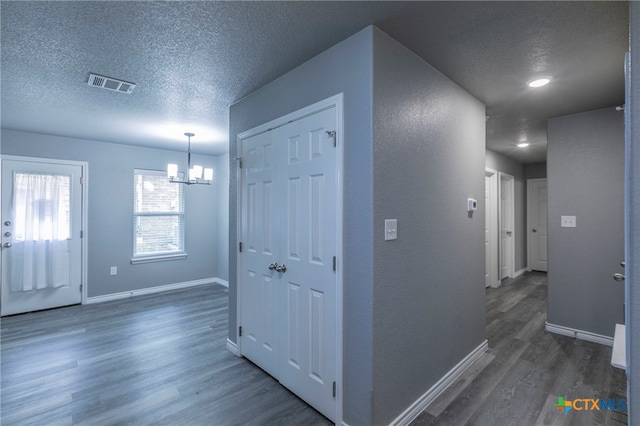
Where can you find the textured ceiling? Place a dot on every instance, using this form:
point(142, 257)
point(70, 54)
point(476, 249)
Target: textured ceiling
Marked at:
point(191, 60)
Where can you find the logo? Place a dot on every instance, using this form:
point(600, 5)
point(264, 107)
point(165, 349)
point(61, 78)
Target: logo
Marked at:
point(590, 404)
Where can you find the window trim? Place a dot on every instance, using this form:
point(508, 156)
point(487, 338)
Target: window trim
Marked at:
point(156, 256)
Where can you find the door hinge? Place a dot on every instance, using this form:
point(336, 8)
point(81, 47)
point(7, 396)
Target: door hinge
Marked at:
point(239, 162)
point(334, 389)
point(81, 234)
point(240, 331)
point(335, 263)
point(81, 180)
point(81, 288)
point(240, 247)
point(332, 133)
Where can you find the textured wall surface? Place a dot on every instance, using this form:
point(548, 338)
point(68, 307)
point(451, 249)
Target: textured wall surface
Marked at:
point(222, 210)
point(512, 167)
point(535, 170)
point(429, 146)
point(110, 214)
point(585, 169)
point(345, 68)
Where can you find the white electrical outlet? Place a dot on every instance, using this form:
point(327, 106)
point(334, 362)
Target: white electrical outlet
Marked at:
point(390, 229)
point(568, 221)
point(114, 270)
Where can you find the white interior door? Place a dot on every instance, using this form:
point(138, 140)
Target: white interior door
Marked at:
point(289, 236)
point(537, 223)
point(507, 246)
point(491, 229)
point(41, 245)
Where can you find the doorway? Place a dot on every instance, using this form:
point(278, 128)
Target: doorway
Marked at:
point(290, 223)
point(42, 245)
point(507, 220)
point(537, 224)
point(491, 228)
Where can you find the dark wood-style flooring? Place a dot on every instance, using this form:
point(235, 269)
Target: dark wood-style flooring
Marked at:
point(161, 359)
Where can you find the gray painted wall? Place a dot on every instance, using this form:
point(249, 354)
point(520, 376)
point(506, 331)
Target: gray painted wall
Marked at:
point(429, 309)
point(585, 167)
point(535, 171)
point(633, 267)
point(110, 214)
point(501, 163)
point(222, 211)
point(405, 324)
point(345, 68)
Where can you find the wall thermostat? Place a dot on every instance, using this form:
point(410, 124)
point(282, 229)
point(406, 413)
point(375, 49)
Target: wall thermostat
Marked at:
point(472, 205)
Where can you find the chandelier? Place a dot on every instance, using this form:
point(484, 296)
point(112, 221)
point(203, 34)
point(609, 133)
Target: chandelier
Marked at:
point(197, 174)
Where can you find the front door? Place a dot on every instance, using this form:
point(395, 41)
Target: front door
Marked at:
point(41, 225)
point(537, 223)
point(289, 235)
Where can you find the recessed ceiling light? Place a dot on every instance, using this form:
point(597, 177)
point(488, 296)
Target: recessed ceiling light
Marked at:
point(523, 145)
point(539, 82)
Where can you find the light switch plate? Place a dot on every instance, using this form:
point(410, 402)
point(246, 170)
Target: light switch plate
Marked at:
point(113, 270)
point(390, 229)
point(568, 221)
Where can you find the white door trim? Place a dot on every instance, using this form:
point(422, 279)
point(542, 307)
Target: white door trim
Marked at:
point(492, 210)
point(332, 102)
point(84, 217)
point(530, 235)
point(509, 217)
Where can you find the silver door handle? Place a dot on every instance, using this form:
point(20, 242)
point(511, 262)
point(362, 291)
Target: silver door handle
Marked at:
point(618, 277)
point(534, 230)
point(273, 266)
point(281, 268)
point(7, 245)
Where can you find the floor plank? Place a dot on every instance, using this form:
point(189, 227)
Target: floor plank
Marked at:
point(153, 359)
point(529, 370)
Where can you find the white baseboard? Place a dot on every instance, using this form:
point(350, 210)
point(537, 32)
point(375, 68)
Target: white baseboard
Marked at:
point(579, 334)
point(520, 272)
point(436, 390)
point(151, 290)
point(233, 348)
point(222, 282)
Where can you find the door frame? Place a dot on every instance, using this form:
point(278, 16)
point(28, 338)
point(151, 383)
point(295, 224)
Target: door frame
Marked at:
point(529, 226)
point(509, 216)
point(83, 215)
point(492, 210)
point(331, 102)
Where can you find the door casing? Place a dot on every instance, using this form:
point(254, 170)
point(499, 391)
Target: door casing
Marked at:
point(491, 209)
point(507, 218)
point(332, 102)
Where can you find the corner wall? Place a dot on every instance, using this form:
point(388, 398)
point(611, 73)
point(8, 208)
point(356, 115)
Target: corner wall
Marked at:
point(585, 167)
point(429, 295)
point(344, 68)
point(110, 211)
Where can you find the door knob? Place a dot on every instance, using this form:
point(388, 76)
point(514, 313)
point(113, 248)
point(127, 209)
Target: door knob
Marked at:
point(281, 268)
point(7, 223)
point(7, 245)
point(534, 230)
point(618, 277)
point(273, 266)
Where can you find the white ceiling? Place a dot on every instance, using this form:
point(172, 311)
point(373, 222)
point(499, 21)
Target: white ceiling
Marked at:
point(191, 60)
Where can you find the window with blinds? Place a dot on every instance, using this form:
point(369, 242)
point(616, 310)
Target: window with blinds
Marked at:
point(158, 216)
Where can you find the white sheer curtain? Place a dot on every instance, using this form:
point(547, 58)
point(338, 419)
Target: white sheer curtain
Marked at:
point(40, 254)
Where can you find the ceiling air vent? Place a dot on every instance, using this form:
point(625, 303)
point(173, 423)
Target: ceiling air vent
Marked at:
point(109, 83)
